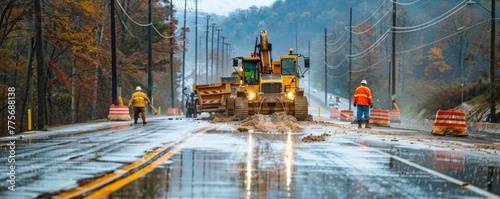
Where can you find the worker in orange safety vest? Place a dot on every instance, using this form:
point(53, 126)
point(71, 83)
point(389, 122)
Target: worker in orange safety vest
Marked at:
point(363, 100)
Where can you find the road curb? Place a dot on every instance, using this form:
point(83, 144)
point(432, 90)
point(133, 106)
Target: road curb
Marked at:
point(72, 129)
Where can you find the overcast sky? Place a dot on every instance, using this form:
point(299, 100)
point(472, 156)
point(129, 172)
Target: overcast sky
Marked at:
point(223, 7)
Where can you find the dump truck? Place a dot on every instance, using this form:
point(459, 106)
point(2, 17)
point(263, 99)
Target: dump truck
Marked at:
point(269, 86)
point(212, 98)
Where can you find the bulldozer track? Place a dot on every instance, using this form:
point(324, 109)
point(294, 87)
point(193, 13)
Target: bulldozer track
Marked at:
point(230, 107)
point(240, 108)
point(301, 108)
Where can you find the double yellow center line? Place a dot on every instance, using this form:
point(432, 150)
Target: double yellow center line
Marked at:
point(110, 188)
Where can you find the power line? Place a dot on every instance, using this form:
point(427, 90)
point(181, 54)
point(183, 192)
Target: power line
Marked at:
point(431, 22)
point(144, 25)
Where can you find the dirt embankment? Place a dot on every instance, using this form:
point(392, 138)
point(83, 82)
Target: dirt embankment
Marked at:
point(474, 112)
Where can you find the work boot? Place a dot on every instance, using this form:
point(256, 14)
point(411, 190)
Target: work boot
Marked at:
point(144, 123)
point(135, 121)
point(367, 125)
point(359, 124)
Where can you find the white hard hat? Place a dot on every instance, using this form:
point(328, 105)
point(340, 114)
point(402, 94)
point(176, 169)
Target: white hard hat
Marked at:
point(138, 88)
point(363, 82)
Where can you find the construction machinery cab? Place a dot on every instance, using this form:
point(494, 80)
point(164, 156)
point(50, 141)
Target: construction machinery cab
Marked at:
point(251, 72)
point(270, 86)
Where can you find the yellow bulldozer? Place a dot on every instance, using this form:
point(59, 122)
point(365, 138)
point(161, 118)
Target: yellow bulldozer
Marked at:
point(269, 86)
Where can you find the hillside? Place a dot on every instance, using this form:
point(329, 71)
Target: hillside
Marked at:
point(475, 110)
point(443, 44)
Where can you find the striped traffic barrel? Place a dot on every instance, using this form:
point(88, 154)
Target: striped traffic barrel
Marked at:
point(173, 111)
point(119, 113)
point(395, 116)
point(346, 115)
point(335, 114)
point(380, 118)
point(450, 122)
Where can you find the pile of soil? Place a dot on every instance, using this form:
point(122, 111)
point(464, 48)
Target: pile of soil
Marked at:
point(315, 138)
point(277, 122)
point(218, 117)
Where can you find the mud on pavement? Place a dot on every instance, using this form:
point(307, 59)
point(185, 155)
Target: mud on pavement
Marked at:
point(278, 122)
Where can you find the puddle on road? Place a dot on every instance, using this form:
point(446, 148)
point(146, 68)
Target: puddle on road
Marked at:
point(242, 166)
point(210, 172)
point(473, 169)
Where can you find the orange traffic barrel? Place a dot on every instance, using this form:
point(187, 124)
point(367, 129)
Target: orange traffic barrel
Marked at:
point(335, 114)
point(346, 115)
point(449, 160)
point(173, 111)
point(395, 116)
point(380, 118)
point(450, 122)
point(119, 113)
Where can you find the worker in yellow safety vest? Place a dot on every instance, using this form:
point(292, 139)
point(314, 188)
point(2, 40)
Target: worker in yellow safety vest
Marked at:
point(139, 100)
point(363, 100)
point(249, 75)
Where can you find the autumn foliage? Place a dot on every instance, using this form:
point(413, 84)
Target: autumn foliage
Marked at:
point(77, 56)
point(438, 64)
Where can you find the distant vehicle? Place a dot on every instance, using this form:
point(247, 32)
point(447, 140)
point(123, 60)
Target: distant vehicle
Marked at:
point(334, 103)
point(314, 90)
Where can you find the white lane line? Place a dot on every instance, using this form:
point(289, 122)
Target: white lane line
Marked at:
point(463, 184)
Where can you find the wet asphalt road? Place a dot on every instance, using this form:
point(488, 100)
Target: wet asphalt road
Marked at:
point(203, 160)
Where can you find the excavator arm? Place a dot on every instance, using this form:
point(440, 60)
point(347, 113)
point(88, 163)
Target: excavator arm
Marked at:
point(265, 52)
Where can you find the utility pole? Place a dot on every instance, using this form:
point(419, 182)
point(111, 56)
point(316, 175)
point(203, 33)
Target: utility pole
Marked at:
point(172, 101)
point(212, 55)
point(222, 65)
point(326, 71)
point(217, 66)
point(183, 53)
point(201, 54)
point(42, 79)
point(73, 71)
point(350, 59)
point(206, 52)
point(493, 118)
point(150, 57)
point(228, 47)
point(196, 44)
point(460, 63)
point(309, 71)
point(393, 54)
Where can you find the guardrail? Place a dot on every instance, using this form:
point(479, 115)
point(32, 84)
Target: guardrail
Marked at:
point(486, 127)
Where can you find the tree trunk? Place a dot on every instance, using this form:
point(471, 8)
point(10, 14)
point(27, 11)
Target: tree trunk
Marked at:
point(42, 79)
point(29, 82)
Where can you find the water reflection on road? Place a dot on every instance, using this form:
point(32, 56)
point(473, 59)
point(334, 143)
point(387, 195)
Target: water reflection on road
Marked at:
point(253, 165)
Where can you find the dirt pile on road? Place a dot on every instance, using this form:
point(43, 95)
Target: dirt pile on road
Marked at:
point(277, 122)
point(218, 117)
point(315, 138)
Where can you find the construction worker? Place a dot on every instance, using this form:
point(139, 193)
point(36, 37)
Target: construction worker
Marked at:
point(363, 100)
point(249, 75)
point(139, 100)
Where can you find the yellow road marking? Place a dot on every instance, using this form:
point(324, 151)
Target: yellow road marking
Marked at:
point(118, 173)
point(105, 191)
